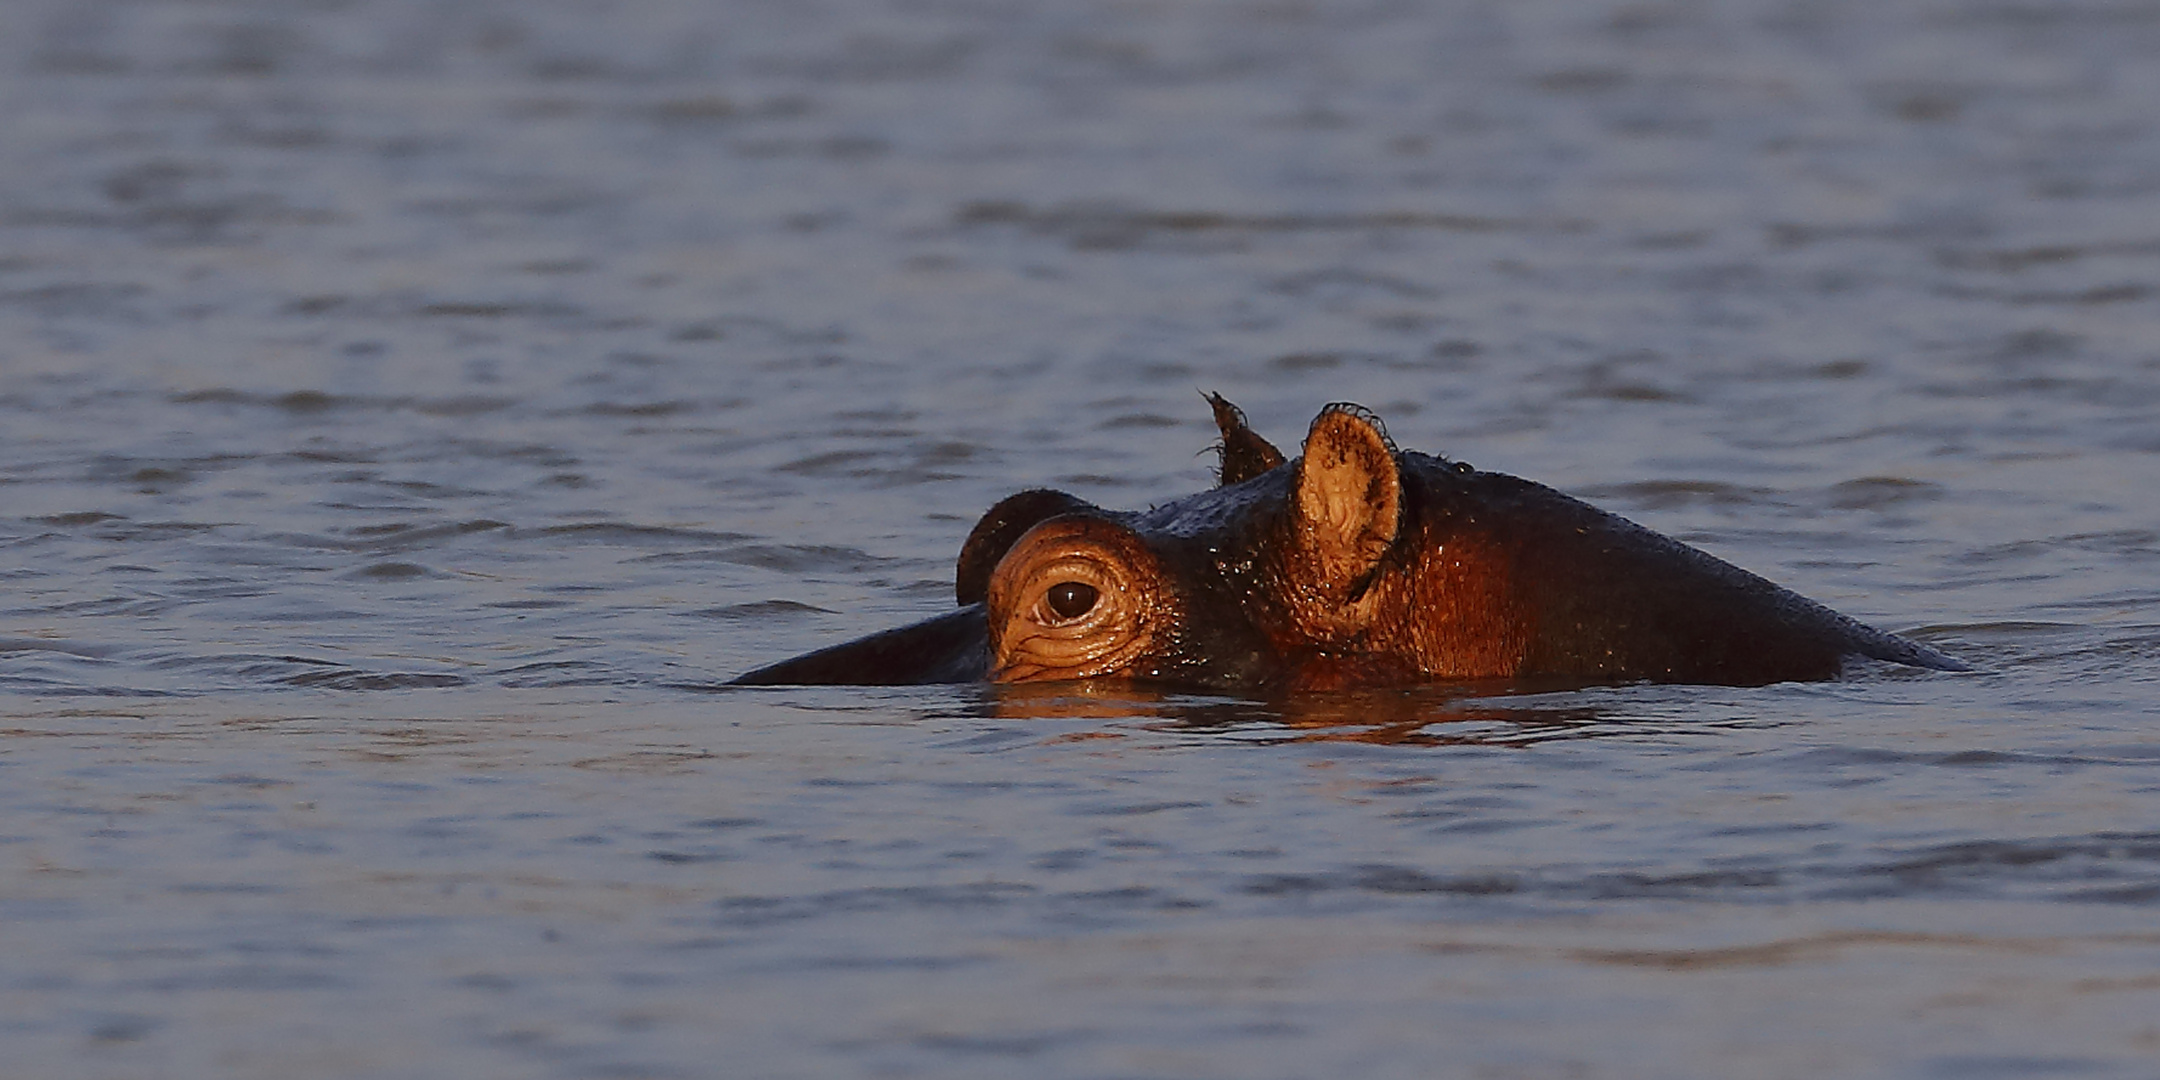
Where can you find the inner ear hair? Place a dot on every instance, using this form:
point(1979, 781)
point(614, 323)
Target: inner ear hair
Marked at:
point(1349, 496)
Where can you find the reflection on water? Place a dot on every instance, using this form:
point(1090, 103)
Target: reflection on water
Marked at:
point(411, 414)
point(1445, 715)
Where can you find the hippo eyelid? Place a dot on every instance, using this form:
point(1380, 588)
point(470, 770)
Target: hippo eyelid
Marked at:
point(1090, 570)
point(1000, 528)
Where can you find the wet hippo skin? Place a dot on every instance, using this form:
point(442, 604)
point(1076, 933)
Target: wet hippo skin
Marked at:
point(1353, 565)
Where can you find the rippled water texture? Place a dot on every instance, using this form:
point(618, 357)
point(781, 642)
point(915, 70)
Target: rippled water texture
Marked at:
point(410, 413)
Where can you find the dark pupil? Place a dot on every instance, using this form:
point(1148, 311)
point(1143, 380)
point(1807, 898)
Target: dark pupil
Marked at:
point(1071, 599)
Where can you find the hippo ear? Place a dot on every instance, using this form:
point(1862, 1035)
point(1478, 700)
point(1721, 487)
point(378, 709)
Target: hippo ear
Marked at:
point(995, 534)
point(1244, 454)
point(1347, 500)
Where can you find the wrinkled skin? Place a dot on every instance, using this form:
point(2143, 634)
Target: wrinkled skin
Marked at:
point(1354, 565)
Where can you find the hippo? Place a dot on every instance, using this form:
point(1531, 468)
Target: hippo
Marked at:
point(1352, 566)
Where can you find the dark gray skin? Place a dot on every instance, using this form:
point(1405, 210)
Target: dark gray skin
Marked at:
point(1355, 565)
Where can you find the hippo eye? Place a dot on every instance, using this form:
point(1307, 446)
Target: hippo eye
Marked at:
point(1075, 598)
point(1071, 599)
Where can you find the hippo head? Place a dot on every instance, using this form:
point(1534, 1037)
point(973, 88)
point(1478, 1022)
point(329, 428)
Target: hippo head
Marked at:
point(1352, 565)
point(1250, 583)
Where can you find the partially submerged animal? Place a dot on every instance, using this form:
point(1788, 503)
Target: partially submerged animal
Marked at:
point(1353, 565)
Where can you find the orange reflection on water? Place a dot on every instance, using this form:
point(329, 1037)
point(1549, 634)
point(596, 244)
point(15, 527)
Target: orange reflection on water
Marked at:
point(1448, 715)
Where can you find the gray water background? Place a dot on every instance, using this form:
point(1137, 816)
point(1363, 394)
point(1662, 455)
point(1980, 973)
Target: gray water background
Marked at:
point(411, 412)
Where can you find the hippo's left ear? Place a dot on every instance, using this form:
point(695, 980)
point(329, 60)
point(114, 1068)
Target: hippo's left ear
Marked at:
point(1347, 504)
point(998, 530)
point(1244, 454)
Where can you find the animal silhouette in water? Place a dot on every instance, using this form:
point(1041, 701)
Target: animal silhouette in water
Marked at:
point(1354, 565)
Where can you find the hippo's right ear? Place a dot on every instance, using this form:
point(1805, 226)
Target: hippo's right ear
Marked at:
point(996, 533)
point(1346, 501)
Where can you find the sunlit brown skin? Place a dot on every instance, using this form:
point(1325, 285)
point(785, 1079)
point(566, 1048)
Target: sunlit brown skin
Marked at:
point(1352, 566)
point(1123, 604)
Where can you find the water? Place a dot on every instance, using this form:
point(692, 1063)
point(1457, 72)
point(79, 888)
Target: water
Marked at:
point(412, 413)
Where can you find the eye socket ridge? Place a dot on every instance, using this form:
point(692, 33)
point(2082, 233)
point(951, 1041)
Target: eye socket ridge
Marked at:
point(1076, 598)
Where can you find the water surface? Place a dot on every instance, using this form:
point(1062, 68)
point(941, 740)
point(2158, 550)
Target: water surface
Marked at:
point(411, 414)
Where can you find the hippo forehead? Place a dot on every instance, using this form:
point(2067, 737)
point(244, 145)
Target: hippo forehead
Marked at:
point(1211, 548)
point(1219, 514)
point(1192, 533)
